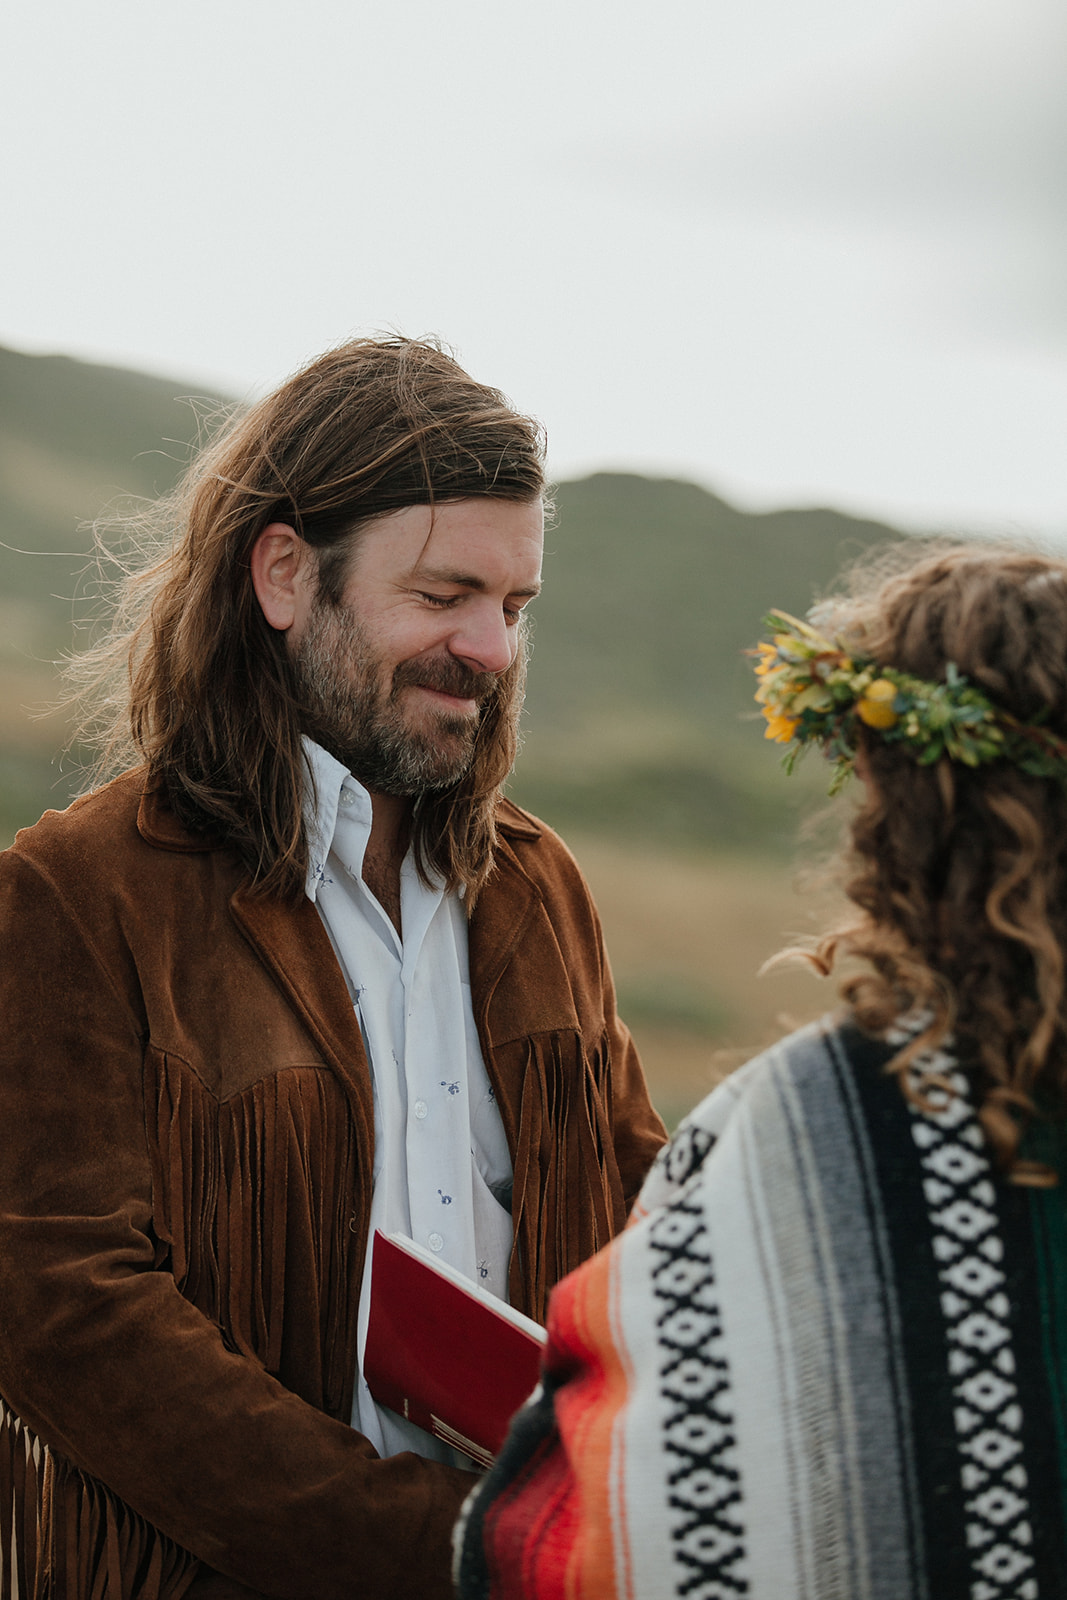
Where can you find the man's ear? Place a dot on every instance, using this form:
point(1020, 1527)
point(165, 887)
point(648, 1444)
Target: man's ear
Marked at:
point(284, 576)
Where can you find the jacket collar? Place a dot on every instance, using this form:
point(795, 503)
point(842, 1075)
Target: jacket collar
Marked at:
point(157, 824)
point(517, 824)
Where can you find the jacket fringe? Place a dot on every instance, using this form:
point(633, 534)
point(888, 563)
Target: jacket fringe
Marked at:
point(565, 1130)
point(232, 1182)
point(63, 1536)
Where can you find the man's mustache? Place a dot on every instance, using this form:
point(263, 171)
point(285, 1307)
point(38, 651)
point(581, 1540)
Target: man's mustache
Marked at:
point(446, 675)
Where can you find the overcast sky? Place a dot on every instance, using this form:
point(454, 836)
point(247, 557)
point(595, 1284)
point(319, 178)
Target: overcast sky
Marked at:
point(803, 251)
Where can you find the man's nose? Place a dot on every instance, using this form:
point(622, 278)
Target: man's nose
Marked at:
point(486, 640)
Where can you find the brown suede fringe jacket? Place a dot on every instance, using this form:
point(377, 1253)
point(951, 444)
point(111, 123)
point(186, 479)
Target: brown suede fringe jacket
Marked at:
point(186, 1126)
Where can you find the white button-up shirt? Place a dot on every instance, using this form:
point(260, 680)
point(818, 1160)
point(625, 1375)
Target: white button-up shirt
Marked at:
point(440, 1153)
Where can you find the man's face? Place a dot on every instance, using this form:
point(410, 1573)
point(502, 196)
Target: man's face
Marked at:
point(394, 676)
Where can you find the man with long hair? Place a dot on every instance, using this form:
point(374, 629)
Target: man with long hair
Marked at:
point(299, 974)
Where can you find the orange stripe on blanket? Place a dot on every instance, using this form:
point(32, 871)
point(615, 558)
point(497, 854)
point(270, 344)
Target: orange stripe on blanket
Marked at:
point(556, 1531)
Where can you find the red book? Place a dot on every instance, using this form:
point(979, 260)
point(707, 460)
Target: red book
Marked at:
point(443, 1352)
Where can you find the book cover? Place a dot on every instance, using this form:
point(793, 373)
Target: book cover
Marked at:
point(443, 1352)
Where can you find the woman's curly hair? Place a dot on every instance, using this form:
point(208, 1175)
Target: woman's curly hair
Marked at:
point(959, 873)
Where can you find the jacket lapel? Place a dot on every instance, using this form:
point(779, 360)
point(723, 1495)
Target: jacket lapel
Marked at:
point(501, 918)
point(294, 946)
point(512, 939)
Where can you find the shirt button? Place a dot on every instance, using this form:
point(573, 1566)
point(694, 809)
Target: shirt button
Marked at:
point(435, 1242)
point(421, 1109)
point(346, 798)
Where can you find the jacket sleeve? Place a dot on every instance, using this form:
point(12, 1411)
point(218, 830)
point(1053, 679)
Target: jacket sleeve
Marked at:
point(100, 1355)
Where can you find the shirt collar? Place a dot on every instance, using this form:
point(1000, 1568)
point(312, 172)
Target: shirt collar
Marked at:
point(329, 788)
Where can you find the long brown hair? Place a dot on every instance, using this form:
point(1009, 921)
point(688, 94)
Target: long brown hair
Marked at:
point(190, 676)
point(960, 874)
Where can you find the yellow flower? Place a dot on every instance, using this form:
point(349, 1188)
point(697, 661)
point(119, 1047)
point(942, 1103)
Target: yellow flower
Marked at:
point(768, 656)
point(778, 727)
point(876, 707)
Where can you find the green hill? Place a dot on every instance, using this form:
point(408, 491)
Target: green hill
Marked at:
point(640, 706)
point(639, 691)
point(73, 437)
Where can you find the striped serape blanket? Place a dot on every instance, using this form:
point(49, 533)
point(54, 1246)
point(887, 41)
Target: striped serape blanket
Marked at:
point(826, 1361)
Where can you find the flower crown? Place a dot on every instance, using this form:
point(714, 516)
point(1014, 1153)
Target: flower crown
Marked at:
point(814, 690)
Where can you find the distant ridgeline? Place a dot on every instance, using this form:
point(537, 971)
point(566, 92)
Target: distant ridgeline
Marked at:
point(640, 699)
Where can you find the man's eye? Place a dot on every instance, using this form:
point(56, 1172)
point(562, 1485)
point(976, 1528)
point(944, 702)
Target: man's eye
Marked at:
point(442, 600)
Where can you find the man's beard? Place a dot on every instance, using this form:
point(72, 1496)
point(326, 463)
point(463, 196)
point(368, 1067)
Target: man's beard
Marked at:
point(346, 711)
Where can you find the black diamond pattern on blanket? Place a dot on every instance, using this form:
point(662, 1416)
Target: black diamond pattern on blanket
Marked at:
point(961, 1200)
point(686, 1153)
point(704, 1491)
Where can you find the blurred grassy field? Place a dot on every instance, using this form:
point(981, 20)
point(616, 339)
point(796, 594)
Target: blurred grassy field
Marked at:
point(687, 935)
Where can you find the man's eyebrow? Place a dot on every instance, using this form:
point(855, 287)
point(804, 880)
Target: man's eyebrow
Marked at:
point(465, 580)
